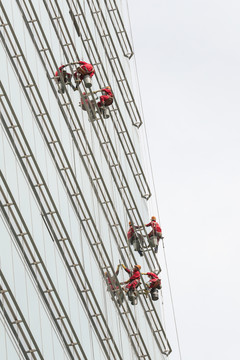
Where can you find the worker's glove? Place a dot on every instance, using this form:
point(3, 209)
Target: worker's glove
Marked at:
point(123, 266)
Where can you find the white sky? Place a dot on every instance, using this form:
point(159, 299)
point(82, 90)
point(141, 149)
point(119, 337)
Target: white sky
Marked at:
point(188, 56)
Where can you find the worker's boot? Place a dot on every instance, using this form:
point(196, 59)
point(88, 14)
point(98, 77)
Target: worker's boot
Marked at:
point(140, 252)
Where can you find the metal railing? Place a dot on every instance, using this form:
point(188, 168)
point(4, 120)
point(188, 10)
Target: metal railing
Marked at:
point(16, 321)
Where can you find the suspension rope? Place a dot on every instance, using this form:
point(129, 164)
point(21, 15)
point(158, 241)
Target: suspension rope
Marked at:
point(154, 188)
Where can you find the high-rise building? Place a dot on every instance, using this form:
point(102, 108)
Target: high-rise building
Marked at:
point(71, 179)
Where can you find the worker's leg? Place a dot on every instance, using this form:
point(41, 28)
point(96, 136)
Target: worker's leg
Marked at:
point(132, 285)
point(101, 102)
point(105, 100)
point(159, 236)
point(140, 252)
point(131, 240)
point(70, 84)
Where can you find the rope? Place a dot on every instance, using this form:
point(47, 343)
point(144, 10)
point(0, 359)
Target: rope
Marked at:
point(173, 310)
point(154, 189)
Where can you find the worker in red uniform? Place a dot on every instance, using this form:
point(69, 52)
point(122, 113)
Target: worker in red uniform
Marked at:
point(107, 97)
point(63, 78)
point(134, 279)
point(153, 283)
point(131, 236)
point(156, 231)
point(82, 70)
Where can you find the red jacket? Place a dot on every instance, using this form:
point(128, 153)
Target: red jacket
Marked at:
point(135, 274)
point(152, 275)
point(60, 70)
point(155, 226)
point(108, 91)
point(154, 281)
point(130, 232)
point(87, 67)
point(67, 76)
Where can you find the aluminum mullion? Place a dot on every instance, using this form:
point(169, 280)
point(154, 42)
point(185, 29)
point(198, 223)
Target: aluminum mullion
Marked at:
point(149, 309)
point(128, 152)
point(105, 267)
point(118, 121)
point(122, 186)
point(130, 207)
point(46, 294)
point(106, 139)
point(74, 264)
point(17, 322)
point(43, 111)
point(149, 321)
point(90, 304)
point(114, 61)
point(39, 272)
point(119, 28)
point(113, 58)
point(97, 257)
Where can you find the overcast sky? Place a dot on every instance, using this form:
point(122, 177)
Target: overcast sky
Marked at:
point(188, 56)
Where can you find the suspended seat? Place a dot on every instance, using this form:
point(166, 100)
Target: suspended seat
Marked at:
point(154, 294)
point(87, 81)
point(132, 297)
point(138, 243)
point(105, 112)
point(153, 241)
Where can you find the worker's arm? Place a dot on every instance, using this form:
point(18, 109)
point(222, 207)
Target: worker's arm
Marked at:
point(149, 224)
point(153, 275)
point(124, 282)
point(67, 64)
point(61, 67)
point(117, 271)
point(126, 269)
